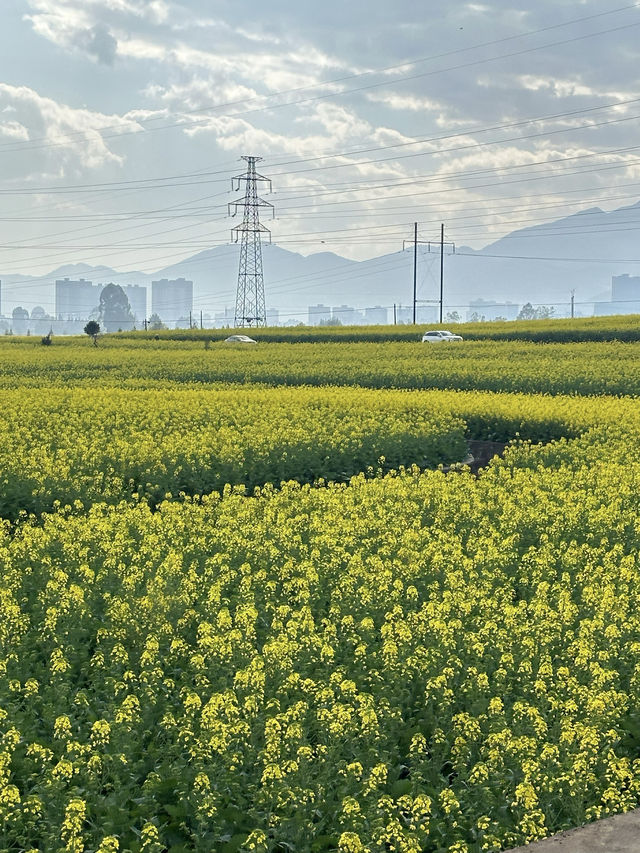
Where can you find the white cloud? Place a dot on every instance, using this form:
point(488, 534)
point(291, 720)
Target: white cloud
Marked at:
point(13, 130)
point(397, 101)
point(71, 138)
point(144, 115)
point(260, 37)
point(199, 93)
point(568, 88)
point(93, 26)
point(58, 22)
point(560, 88)
point(341, 125)
point(175, 57)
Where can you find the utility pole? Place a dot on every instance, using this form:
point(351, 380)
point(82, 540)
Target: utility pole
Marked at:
point(441, 269)
point(201, 318)
point(573, 296)
point(395, 315)
point(146, 324)
point(250, 301)
point(415, 269)
point(442, 243)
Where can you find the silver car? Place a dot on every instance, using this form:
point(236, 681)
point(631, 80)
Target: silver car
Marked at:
point(239, 339)
point(439, 337)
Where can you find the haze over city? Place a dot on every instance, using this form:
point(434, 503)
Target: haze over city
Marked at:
point(122, 124)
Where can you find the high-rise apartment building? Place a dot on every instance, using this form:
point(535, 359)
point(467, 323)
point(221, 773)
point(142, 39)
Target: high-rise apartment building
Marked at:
point(172, 299)
point(75, 300)
point(318, 314)
point(625, 288)
point(625, 296)
point(489, 309)
point(347, 315)
point(137, 296)
point(377, 316)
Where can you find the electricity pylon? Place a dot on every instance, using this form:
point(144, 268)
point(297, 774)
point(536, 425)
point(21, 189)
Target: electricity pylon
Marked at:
point(250, 302)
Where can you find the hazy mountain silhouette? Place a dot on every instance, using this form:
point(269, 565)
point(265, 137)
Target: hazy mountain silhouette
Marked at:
point(539, 264)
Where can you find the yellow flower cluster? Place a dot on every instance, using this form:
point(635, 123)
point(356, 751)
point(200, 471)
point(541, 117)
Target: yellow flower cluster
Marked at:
point(609, 367)
point(74, 447)
point(413, 657)
point(409, 661)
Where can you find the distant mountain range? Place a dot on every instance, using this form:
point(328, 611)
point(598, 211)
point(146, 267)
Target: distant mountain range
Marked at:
point(541, 264)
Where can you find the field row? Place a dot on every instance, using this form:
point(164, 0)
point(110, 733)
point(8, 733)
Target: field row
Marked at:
point(85, 445)
point(106, 445)
point(420, 663)
point(580, 368)
point(619, 328)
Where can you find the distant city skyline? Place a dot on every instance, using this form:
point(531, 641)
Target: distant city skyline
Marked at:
point(172, 304)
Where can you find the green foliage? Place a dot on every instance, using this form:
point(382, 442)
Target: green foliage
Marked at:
point(561, 330)
point(93, 444)
point(418, 660)
point(93, 330)
point(514, 366)
point(408, 660)
point(155, 323)
point(114, 310)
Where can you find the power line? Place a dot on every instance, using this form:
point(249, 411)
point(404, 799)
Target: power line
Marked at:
point(178, 180)
point(17, 146)
point(536, 176)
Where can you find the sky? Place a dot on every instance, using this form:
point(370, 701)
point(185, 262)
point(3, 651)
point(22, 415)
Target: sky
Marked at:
point(122, 122)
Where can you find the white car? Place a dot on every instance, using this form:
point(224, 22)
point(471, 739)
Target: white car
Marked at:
point(439, 337)
point(239, 339)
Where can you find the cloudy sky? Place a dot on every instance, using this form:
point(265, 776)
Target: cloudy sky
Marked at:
point(123, 121)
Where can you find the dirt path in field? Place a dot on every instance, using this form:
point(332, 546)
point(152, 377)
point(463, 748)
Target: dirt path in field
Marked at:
point(483, 452)
point(619, 834)
point(479, 454)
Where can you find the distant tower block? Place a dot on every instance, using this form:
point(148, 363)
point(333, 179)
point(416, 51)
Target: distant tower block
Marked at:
point(172, 299)
point(250, 302)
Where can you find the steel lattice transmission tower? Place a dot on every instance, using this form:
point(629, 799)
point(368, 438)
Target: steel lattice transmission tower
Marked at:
point(250, 302)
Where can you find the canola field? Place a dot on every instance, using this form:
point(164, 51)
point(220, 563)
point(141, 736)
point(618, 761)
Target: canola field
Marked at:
point(623, 327)
point(610, 367)
point(377, 654)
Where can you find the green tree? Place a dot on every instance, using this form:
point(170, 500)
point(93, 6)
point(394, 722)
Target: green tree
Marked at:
point(93, 330)
point(114, 311)
point(542, 312)
point(20, 317)
point(545, 312)
point(155, 323)
point(527, 312)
